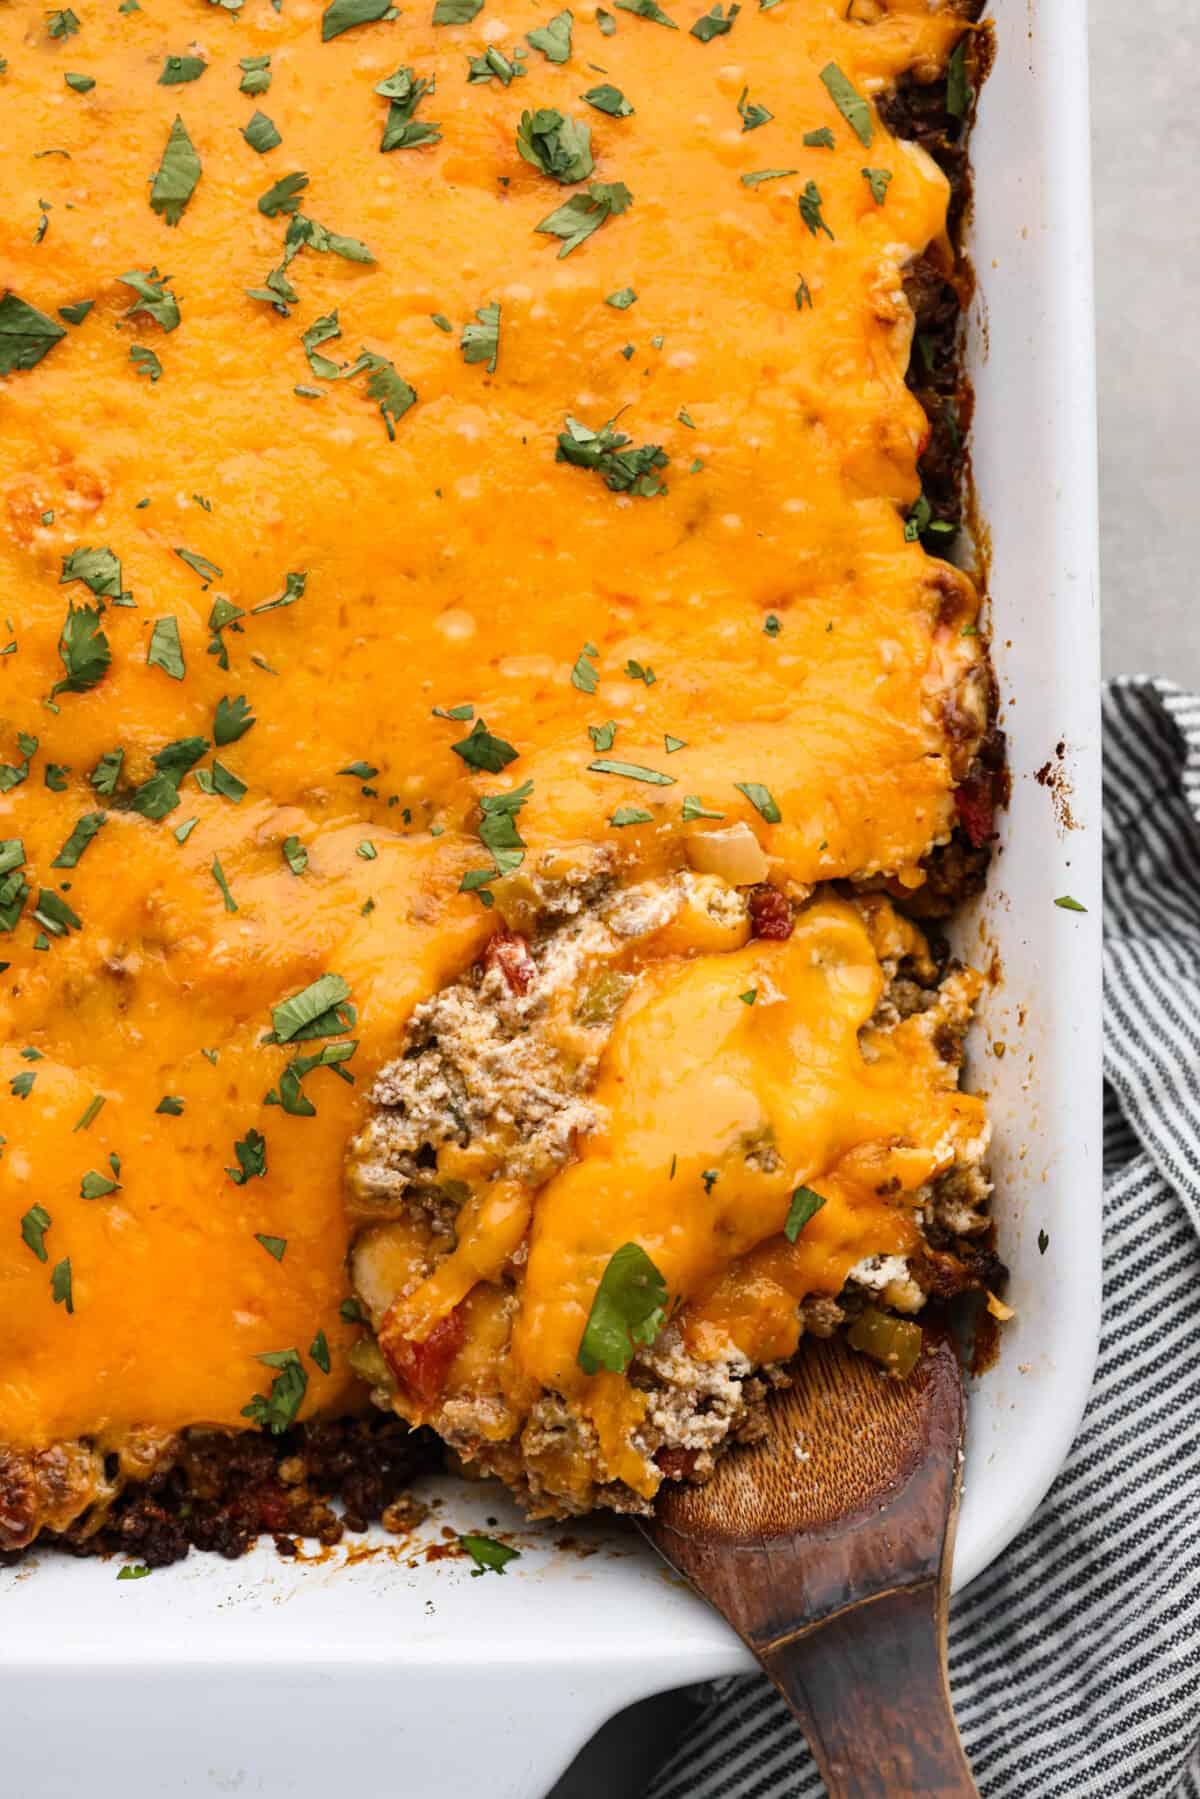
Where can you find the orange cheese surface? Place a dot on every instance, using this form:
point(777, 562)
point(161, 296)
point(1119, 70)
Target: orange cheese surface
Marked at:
point(797, 641)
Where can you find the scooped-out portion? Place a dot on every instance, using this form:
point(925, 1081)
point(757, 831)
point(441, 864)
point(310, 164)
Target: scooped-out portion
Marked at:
point(621, 1167)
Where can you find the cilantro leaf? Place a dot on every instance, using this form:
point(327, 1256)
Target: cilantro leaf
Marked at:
point(634, 771)
point(810, 210)
point(805, 1205)
point(200, 565)
point(284, 196)
point(34, 1225)
point(84, 650)
point(577, 218)
point(556, 145)
point(318, 1349)
point(493, 62)
point(80, 84)
point(480, 749)
point(487, 1555)
point(98, 569)
point(60, 1282)
point(481, 342)
point(294, 1017)
point(624, 470)
point(275, 1247)
point(154, 297)
point(156, 797)
point(628, 1309)
point(622, 300)
point(132, 1570)
point(456, 12)
point(218, 875)
point(176, 757)
point(631, 815)
point(62, 24)
point(276, 1411)
point(583, 675)
point(714, 23)
point(401, 131)
point(553, 39)
point(818, 140)
point(760, 798)
point(390, 390)
point(609, 99)
point(765, 175)
point(295, 855)
point(343, 15)
point(878, 180)
point(178, 69)
point(602, 736)
point(251, 1153)
point(178, 173)
point(959, 92)
point(26, 335)
point(752, 116)
point(648, 9)
point(850, 103)
point(68, 856)
point(97, 1186)
point(145, 362)
point(107, 772)
point(256, 74)
point(1068, 904)
point(260, 133)
point(233, 719)
point(170, 1106)
point(75, 314)
point(165, 650)
point(693, 808)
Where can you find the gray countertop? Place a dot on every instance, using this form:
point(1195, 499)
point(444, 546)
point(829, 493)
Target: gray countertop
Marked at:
point(1146, 149)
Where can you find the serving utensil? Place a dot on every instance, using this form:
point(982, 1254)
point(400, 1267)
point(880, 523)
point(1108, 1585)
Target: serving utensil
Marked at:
point(827, 1547)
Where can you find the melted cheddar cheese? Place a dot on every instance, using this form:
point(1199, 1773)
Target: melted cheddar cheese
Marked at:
point(788, 636)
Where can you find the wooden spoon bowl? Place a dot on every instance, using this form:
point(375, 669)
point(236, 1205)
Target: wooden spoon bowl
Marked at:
point(827, 1546)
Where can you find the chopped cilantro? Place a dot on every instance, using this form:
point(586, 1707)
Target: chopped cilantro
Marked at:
point(674, 743)
point(1068, 904)
point(343, 15)
point(318, 1350)
point(748, 998)
point(145, 362)
point(637, 672)
point(608, 99)
point(803, 295)
point(274, 1246)
point(481, 342)
point(622, 300)
point(75, 314)
point(200, 565)
point(632, 770)
point(765, 175)
point(577, 218)
point(554, 38)
point(752, 116)
point(132, 1570)
point(488, 1556)
point(878, 180)
point(760, 798)
point(154, 298)
point(818, 140)
point(166, 651)
point(648, 9)
point(170, 1106)
point(89, 1114)
point(98, 1186)
point(251, 1153)
point(256, 74)
point(284, 196)
point(178, 69)
point(602, 736)
point(493, 63)
point(405, 91)
point(624, 470)
point(850, 103)
point(218, 875)
point(300, 1014)
point(26, 335)
point(805, 1204)
point(295, 855)
point(177, 176)
point(631, 815)
point(628, 1309)
point(68, 856)
point(84, 650)
point(714, 23)
point(34, 1225)
point(959, 92)
point(480, 749)
point(555, 144)
point(80, 84)
point(693, 808)
point(62, 24)
point(583, 675)
point(98, 569)
point(456, 12)
point(233, 719)
point(276, 1411)
point(261, 134)
point(810, 210)
point(60, 1285)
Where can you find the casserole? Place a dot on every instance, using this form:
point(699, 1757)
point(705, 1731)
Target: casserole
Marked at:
point(284, 1678)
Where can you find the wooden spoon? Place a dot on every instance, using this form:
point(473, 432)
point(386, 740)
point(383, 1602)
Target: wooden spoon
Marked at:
point(827, 1546)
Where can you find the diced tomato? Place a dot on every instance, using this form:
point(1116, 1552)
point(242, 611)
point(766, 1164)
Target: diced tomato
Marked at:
point(422, 1367)
point(770, 913)
point(509, 952)
point(976, 806)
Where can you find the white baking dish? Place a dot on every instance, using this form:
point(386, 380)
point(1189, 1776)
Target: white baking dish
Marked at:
point(261, 1677)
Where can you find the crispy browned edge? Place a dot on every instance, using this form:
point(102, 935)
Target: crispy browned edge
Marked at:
point(222, 1490)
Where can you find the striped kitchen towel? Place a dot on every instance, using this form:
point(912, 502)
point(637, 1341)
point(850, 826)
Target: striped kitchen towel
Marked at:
point(1075, 1659)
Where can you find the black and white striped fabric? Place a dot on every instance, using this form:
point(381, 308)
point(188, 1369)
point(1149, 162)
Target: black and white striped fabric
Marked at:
point(1075, 1660)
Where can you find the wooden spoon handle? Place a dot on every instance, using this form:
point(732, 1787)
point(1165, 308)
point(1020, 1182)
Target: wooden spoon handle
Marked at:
point(870, 1688)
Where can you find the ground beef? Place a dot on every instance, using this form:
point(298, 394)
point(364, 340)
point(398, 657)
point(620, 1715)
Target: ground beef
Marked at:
point(226, 1489)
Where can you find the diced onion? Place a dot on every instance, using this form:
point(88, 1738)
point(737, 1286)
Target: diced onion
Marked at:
point(735, 854)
